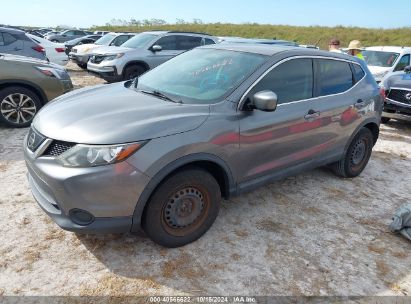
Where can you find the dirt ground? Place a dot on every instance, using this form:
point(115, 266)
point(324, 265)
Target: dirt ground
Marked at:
point(311, 234)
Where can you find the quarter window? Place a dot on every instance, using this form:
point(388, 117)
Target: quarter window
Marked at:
point(188, 42)
point(291, 81)
point(333, 77)
point(6, 39)
point(358, 72)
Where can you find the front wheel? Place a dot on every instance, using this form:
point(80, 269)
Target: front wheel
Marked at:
point(182, 208)
point(357, 155)
point(18, 106)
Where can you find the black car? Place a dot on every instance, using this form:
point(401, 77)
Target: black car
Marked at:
point(82, 40)
point(397, 103)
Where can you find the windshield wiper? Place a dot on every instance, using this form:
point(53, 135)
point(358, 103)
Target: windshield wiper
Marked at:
point(160, 95)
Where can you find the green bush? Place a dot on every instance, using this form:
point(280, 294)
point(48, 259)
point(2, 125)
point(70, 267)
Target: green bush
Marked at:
point(304, 35)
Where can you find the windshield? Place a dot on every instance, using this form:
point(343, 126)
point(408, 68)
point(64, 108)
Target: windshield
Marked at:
point(138, 41)
point(201, 76)
point(105, 40)
point(379, 58)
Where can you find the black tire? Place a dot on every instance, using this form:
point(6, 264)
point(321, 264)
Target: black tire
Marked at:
point(133, 71)
point(82, 65)
point(385, 120)
point(357, 155)
point(182, 208)
point(16, 112)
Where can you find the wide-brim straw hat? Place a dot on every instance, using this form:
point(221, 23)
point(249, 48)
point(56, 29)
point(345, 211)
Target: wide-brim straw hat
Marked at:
point(355, 45)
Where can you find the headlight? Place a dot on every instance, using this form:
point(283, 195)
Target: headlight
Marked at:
point(112, 57)
point(95, 155)
point(53, 72)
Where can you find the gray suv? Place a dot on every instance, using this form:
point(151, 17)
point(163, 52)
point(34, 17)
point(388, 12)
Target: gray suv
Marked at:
point(142, 53)
point(15, 42)
point(159, 152)
point(65, 35)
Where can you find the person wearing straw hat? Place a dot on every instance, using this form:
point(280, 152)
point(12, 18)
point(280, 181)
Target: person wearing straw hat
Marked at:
point(355, 48)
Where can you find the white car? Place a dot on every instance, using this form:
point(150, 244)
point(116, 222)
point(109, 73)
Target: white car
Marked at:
point(80, 54)
point(384, 60)
point(55, 52)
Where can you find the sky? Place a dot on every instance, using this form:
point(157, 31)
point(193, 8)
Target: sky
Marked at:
point(85, 13)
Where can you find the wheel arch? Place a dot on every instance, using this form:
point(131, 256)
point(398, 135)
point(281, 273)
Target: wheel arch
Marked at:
point(210, 163)
point(28, 85)
point(372, 124)
point(136, 62)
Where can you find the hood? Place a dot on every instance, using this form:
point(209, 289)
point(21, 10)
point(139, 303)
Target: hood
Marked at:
point(112, 114)
point(377, 69)
point(400, 80)
point(86, 48)
point(109, 50)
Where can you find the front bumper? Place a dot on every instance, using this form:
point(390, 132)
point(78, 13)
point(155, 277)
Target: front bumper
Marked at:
point(108, 193)
point(396, 110)
point(81, 59)
point(108, 73)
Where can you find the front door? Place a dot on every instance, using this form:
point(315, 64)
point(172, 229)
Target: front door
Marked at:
point(288, 136)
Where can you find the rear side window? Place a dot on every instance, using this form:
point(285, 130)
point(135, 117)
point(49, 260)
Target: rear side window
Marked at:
point(333, 76)
point(291, 81)
point(6, 39)
point(188, 42)
point(358, 72)
point(120, 40)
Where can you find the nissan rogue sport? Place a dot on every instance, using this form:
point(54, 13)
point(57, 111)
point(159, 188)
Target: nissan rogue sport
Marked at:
point(159, 152)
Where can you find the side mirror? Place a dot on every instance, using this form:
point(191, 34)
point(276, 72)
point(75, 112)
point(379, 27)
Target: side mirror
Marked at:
point(156, 48)
point(407, 69)
point(265, 101)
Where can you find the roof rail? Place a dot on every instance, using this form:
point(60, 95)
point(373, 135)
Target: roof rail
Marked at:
point(184, 32)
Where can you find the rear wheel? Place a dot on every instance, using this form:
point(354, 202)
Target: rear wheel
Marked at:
point(18, 106)
point(82, 65)
point(133, 71)
point(385, 120)
point(183, 208)
point(357, 155)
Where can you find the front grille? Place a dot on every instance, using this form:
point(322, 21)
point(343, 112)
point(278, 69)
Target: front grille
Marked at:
point(96, 59)
point(57, 148)
point(403, 96)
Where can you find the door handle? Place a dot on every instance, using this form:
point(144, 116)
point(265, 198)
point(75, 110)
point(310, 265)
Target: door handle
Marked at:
point(17, 49)
point(359, 104)
point(311, 115)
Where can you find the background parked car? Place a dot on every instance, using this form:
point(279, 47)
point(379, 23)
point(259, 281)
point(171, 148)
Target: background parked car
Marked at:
point(101, 32)
point(65, 35)
point(54, 51)
point(16, 42)
point(80, 54)
point(26, 84)
point(397, 89)
point(89, 39)
point(142, 53)
point(383, 60)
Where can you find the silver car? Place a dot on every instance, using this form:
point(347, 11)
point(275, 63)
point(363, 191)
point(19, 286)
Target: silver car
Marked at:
point(159, 152)
point(142, 53)
point(65, 35)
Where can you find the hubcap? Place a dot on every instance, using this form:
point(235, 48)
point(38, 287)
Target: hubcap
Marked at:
point(18, 108)
point(183, 208)
point(358, 152)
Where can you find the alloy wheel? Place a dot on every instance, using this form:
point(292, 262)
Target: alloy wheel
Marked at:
point(18, 108)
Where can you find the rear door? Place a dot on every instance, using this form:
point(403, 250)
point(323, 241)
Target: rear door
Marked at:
point(10, 44)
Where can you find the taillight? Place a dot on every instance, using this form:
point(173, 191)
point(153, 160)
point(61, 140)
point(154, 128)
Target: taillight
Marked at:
point(60, 50)
point(382, 93)
point(38, 48)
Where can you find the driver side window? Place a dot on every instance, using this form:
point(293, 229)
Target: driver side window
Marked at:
point(291, 81)
point(404, 61)
point(167, 43)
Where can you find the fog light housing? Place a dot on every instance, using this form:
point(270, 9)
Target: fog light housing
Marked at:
point(81, 217)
